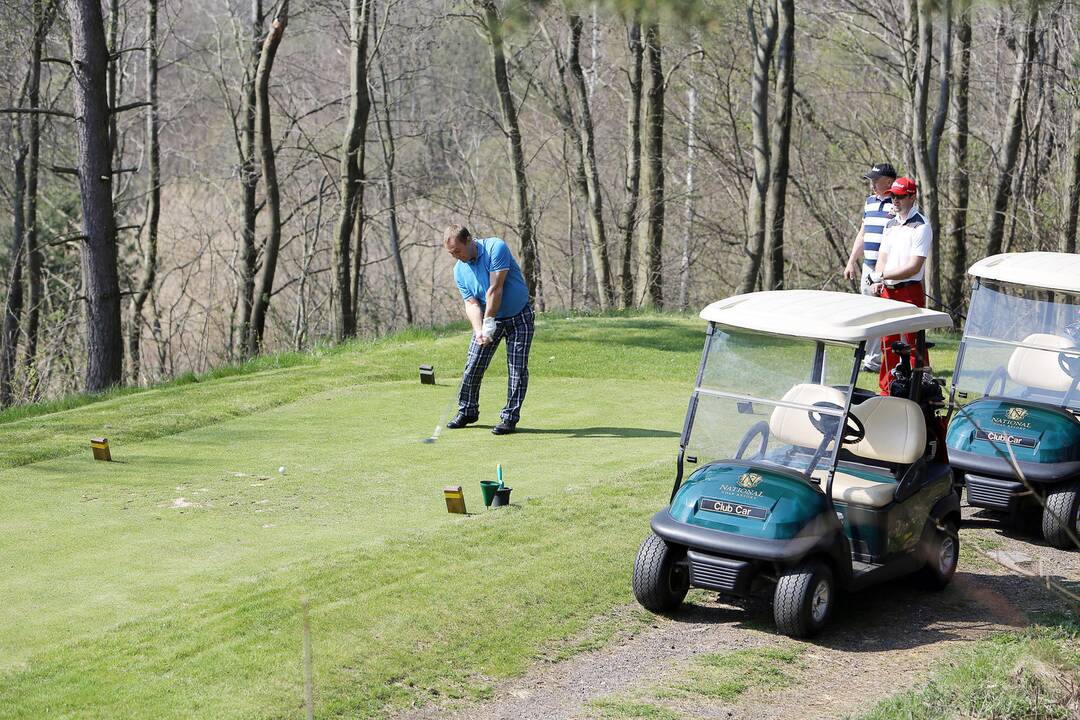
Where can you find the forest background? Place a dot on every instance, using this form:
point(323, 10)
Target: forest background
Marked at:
point(189, 183)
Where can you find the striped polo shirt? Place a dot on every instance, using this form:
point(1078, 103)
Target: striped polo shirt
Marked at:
point(877, 212)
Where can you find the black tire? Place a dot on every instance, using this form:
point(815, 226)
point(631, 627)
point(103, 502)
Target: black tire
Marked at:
point(660, 582)
point(804, 599)
point(1062, 513)
point(941, 551)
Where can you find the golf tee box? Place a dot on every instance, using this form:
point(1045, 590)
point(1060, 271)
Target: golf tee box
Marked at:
point(427, 375)
point(455, 499)
point(100, 448)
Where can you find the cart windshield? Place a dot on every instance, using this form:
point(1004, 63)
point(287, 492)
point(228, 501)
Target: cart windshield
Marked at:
point(1021, 343)
point(767, 399)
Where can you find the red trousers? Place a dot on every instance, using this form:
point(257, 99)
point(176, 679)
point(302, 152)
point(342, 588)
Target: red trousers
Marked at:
point(910, 294)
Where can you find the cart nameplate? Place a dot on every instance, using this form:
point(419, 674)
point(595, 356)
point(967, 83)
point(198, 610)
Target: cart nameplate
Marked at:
point(729, 508)
point(1007, 438)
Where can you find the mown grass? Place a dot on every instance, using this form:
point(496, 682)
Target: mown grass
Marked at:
point(1033, 673)
point(167, 584)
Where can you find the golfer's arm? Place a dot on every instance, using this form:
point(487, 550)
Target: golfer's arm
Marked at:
point(475, 313)
point(494, 293)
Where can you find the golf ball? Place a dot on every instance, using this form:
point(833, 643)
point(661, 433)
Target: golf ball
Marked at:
point(281, 469)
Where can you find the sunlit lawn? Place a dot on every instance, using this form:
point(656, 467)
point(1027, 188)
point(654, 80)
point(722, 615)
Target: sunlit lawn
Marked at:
point(169, 583)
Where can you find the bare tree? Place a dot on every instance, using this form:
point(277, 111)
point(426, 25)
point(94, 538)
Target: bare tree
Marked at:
point(1010, 141)
point(494, 29)
point(628, 215)
point(651, 238)
point(386, 140)
point(763, 42)
point(352, 168)
point(269, 170)
point(776, 202)
point(599, 246)
point(153, 198)
point(688, 213)
point(955, 251)
point(249, 174)
point(90, 59)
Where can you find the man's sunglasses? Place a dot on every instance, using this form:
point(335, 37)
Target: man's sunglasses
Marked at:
point(901, 197)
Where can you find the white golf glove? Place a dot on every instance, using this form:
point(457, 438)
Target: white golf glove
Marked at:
point(875, 277)
point(488, 328)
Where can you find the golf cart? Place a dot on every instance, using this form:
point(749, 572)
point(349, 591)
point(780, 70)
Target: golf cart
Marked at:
point(800, 484)
point(1016, 391)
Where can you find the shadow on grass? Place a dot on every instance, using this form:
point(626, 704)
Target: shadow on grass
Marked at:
point(599, 432)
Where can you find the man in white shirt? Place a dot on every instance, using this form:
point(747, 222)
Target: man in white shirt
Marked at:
point(877, 211)
point(905, 245)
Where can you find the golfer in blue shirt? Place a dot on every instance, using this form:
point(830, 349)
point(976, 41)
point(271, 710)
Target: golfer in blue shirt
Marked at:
point(497, 304)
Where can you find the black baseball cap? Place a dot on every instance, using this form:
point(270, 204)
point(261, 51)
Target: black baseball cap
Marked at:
point(881, 170)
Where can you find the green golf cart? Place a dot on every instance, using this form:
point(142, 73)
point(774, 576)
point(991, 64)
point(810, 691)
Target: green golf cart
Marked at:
point(789, 480)
point(1014, 438)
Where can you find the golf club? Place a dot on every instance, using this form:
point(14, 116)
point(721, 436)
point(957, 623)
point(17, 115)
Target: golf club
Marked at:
point(442, 419)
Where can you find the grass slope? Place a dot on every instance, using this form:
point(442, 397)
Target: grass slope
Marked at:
point(168, 584)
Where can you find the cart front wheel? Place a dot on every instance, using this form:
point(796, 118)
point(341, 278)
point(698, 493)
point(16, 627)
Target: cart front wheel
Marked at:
point(661, 580)
point(804, 599)
point(1061, 517)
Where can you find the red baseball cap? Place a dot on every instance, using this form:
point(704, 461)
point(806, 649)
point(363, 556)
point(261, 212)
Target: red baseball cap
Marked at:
point(902, 187)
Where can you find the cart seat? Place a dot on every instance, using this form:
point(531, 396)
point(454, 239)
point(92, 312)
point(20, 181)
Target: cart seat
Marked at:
point(1039, 369)
point(855, 490)
point(895, 430)
point(792, 425)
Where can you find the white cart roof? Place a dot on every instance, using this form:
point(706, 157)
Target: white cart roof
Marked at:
point(822, 315)
point(1050, 270)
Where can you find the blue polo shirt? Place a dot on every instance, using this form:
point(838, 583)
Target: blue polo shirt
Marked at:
point(473, 278)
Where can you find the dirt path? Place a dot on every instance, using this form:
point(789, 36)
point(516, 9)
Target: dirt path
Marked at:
point(880, 642)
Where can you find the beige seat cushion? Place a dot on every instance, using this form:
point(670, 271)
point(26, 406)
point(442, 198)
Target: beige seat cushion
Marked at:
point(1039, 369)
point(792, 425)
point(855, 490)
point(895, 430)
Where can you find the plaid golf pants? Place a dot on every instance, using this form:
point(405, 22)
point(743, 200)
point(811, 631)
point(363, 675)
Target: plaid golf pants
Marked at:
point(518, 331)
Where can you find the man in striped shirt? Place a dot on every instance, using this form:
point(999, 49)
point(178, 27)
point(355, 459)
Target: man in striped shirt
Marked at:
point(877, 211)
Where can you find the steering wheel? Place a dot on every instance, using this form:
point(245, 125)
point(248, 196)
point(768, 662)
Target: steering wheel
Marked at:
point(998, 377)
point(760, 428)
point(853, 430)
point(1070, 365)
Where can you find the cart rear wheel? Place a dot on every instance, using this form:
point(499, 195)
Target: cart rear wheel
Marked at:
point(804, 599)
point(1062, 514)
point(660, 580)
point(941, 550)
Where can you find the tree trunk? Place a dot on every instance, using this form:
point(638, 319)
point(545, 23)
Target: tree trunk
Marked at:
point(43, 19)
point(633, 161)
point(386, 138)
point(1010, 141)
point(249, 177)
point(651, 236)
point(956, 250)
point(153, 202)
point(605, 289)
point(494, 26)
point(925, 148)
point(688, 216)
point(269, 170)
point(13, 305)
point(90, 59)
point(776, 202)
point(1068, 240)
point(763, 44)
point(352, 167)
